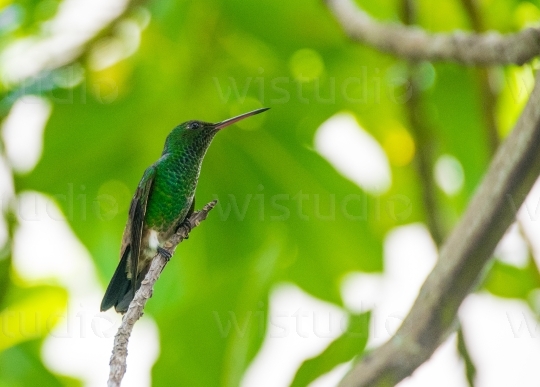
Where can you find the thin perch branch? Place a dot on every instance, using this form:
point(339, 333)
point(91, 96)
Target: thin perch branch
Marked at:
point(422, 134)
point(492, 210)
point(488, 96)
point(414, 43)
point(135, 310)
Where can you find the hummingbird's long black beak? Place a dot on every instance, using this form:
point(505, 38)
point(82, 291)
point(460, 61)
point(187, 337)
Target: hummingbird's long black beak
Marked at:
point(230, 121)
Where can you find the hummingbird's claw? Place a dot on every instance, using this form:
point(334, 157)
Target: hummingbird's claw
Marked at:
point(186, 223)
point(164, 253)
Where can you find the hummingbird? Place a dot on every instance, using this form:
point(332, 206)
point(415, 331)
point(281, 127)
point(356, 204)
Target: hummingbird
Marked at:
point(163, 201)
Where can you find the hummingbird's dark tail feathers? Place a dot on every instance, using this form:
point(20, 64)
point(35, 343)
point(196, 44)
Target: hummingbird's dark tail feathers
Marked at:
point(123, 303)
point(119, 288)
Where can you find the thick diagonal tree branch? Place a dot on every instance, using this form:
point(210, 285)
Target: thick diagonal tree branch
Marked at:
point(416, 44)
point(492, 210)
point(136, 307)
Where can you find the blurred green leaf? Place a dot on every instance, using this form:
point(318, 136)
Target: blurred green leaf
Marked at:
point(21, 365)
point(30, 313)
point(509, 281)
point(350, 344)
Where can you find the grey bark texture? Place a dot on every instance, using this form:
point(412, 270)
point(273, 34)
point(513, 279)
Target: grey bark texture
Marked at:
point(413, 43)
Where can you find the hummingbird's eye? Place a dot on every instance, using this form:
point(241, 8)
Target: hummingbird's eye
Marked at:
point(194, 125)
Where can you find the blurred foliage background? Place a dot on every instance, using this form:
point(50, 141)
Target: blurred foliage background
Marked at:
point(280, 215)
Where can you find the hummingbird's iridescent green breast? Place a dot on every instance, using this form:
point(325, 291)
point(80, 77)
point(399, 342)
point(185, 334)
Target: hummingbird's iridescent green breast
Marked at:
point(177, 174)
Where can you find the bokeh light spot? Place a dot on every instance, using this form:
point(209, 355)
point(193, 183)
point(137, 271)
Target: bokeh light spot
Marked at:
point(526, 14)
point(306, 65)
point(399, 146)
point(449, 174)
point(22, 132)
point(353, 152)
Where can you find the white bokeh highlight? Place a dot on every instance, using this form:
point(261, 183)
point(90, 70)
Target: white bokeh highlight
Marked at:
point(114, 49)
point(513, 249)
point(362, 292)
point(449, 174)
point(409, 255)
point(22, 132)
point(333, 377)
point(443, 369)
point(299, 327)
point(529, 219)
point(76, 22)
point(503, 338)
point(353, 152)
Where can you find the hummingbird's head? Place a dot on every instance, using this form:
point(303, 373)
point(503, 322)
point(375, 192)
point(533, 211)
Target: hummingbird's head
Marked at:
point(195, 136)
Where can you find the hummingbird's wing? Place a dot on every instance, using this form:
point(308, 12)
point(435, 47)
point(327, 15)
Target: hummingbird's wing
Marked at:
point(135, 224)
point(119, 286)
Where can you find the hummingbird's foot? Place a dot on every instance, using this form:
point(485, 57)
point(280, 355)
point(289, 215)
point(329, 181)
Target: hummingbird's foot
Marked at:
point(164, 253)
point(186, 223)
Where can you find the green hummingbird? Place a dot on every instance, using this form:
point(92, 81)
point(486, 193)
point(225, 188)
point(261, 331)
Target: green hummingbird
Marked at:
point(164, 199)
